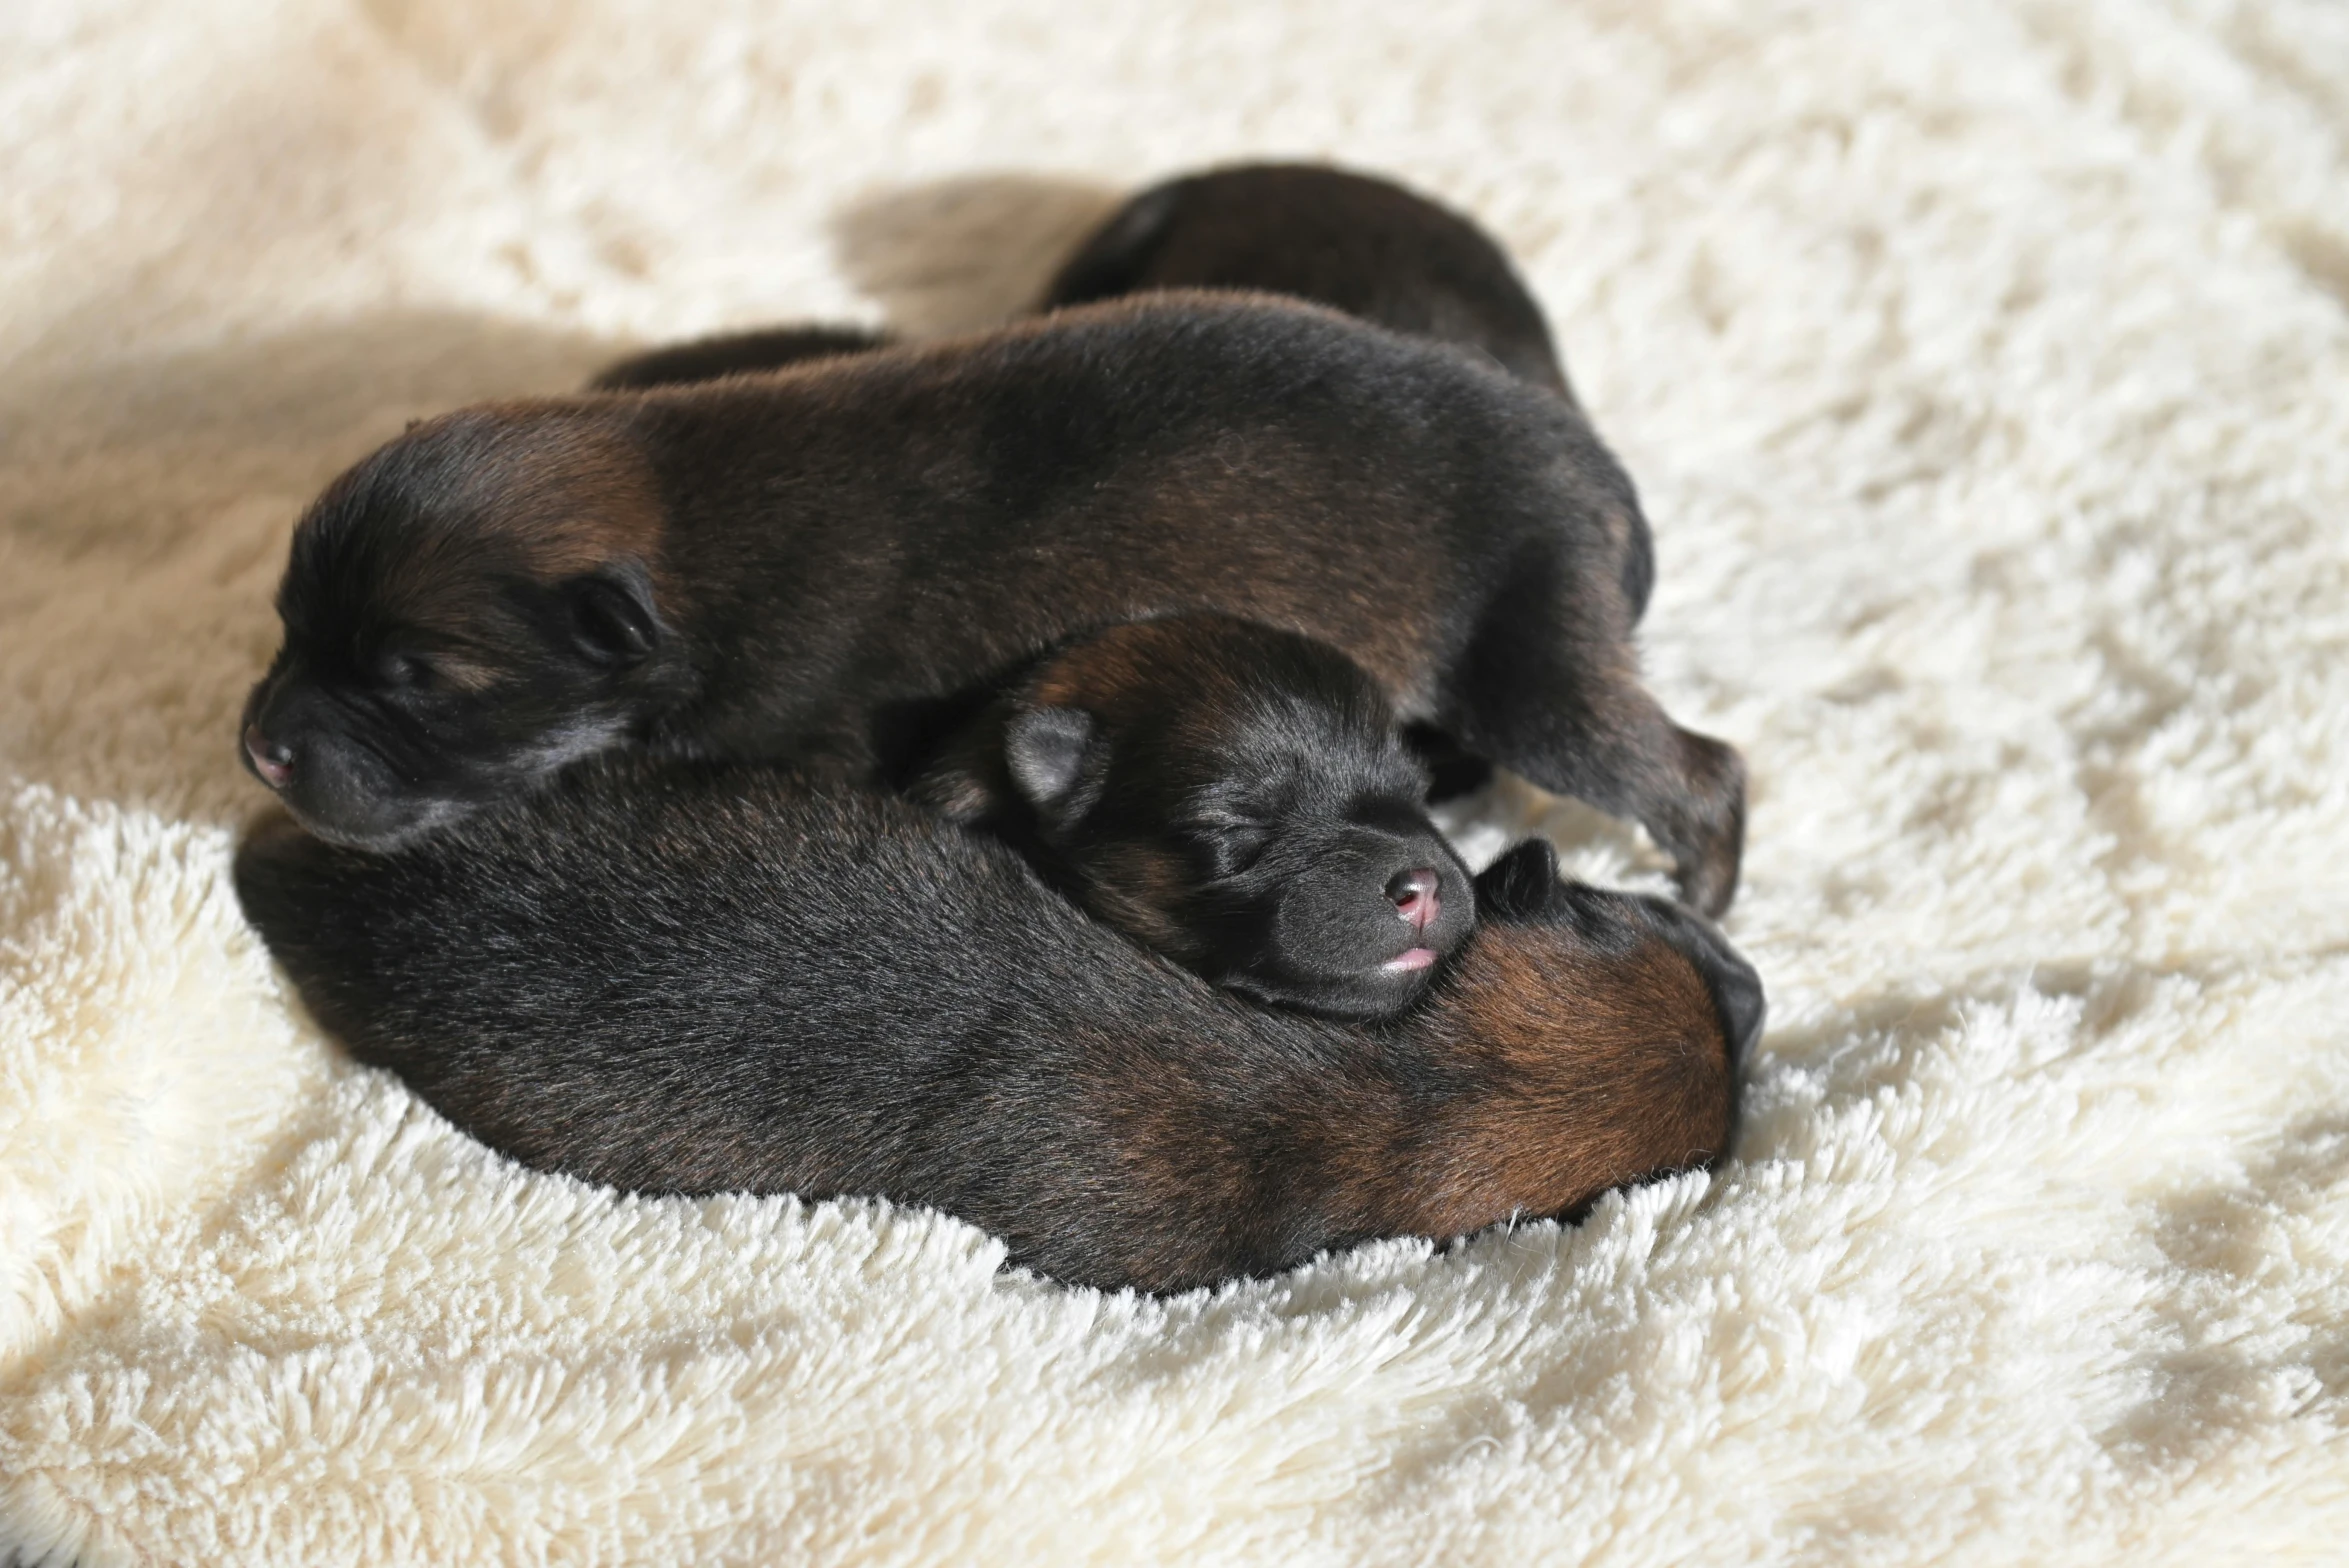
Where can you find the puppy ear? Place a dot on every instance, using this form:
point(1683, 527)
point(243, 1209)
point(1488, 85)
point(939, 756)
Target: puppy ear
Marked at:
point(612, 617)
point(1044, 750)
point(1522, 885)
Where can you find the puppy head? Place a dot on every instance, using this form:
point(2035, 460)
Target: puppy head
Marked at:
point(1523, 888)
point(465, 611)
point(1236, 797)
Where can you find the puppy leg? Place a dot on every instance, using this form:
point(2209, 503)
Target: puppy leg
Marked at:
point(1686, 789)
point(1576, 721)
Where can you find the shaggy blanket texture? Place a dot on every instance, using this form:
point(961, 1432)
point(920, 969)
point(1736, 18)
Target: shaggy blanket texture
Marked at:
point(1985, 364)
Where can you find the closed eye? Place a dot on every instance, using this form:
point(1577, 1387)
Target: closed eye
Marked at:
point(1231, 847)
point(404, 671)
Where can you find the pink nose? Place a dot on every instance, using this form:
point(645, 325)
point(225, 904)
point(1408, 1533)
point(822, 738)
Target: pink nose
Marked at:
point(1415, 896)
point(273, 762)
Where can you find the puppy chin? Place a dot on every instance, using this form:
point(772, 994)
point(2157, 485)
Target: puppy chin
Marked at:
point(381, 831)
point(1376, 993)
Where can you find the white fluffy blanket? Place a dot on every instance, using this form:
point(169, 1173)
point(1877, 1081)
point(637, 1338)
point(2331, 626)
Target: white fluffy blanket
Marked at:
point(1986, 367)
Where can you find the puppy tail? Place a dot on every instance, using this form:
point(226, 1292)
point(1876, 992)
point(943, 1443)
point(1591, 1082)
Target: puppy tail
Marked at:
point(1110, 263)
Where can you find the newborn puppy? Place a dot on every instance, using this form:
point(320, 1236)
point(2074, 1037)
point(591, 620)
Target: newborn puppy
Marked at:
point(760, 567)
point(688, 978)
point(1236, 797)
point(1362, 245)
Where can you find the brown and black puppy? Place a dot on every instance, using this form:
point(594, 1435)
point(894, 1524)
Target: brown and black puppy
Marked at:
point(1236, 797)
point(1360, 244)
point(765, 567)
point(1354, 242)
point(691, 978)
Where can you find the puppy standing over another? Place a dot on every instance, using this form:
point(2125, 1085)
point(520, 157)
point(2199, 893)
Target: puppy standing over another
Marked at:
point(764, 567)
point(1355, 243)
point(693, 979)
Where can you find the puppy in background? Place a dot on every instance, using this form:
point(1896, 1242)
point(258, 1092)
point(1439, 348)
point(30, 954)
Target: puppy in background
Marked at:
point(1356, 243)
point(1353, 242)
point(690, 978)
point(766, 567)
point(1238, 798)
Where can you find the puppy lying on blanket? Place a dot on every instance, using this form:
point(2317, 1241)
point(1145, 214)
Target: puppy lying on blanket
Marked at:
point(699, 978)
point(693, 978)
point(767, 567)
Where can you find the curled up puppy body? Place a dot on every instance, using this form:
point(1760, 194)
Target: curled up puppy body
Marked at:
point(763, 567)
point(694, 978)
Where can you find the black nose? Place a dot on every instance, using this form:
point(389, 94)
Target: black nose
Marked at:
point(275, 763)
point(1417, 896)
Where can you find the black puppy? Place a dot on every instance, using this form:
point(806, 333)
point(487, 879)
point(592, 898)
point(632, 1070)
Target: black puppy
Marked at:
point(759, 567)
point(693, 978)
point(1236, 797)
point(1354, 242)
point(1362, 245)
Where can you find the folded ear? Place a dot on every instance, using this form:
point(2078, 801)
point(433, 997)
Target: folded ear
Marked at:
point(1044, 750)
point(1522, 884)
point(612, 617)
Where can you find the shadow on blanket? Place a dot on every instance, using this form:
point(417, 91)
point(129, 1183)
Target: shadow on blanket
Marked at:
point(151, 499)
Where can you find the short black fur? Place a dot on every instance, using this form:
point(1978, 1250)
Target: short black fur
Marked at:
point(1354, 242)
point(828, 545)
point(692, 978)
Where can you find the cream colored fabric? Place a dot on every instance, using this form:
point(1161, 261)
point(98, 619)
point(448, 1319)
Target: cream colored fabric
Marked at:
point(1986, 369)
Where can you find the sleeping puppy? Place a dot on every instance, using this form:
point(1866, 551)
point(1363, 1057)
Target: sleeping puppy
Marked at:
point(1359, 244)
point(762, 567)
point(1236, 797)
point(1356, 243)
point(695, 978)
